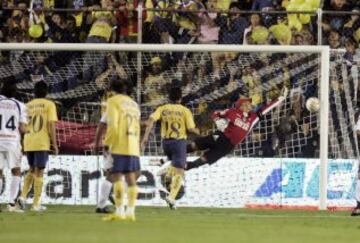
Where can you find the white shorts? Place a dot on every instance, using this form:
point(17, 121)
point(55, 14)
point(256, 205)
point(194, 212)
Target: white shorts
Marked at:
point(108, 160)
point(10, 157)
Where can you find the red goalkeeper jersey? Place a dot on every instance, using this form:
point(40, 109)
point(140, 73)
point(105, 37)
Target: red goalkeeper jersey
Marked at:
point(241, 123)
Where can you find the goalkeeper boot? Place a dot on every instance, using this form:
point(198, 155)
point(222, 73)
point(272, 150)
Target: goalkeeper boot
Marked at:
point(104, 210)
point(171, 203)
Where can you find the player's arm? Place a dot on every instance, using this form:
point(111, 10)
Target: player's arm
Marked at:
point(52, 127)
point(100, 130)
point(150, 124)
point(23, 119)
point(190, 124)
point(273, 104)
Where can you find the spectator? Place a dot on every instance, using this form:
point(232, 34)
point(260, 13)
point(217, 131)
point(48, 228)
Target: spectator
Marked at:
point(101, 23)
point(100, 32)
point(255, 21)
point(209, 31)
point(352, 23)
point(334, 40)
point(114, 71)
point(335, 22)
point(40, 70)
point(352, 53)
point(155, 83)
point(127, 21)
point(232, 28)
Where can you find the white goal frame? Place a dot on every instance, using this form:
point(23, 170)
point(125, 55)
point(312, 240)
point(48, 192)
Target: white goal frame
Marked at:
point(324, 52)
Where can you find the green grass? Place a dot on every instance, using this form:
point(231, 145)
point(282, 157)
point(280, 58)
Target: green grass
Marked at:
point(79, 224)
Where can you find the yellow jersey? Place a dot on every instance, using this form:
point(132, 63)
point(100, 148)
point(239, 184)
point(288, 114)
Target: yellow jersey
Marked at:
point(101, 27)
point(176, 119)
point(40, 112)
point(123, 125)
point(107, 95)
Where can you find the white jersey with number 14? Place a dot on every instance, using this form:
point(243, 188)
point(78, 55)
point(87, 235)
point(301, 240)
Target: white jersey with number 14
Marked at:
point(12, 112)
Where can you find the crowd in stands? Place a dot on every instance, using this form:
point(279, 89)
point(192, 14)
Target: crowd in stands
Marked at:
point(182, 21)
point(210, 80)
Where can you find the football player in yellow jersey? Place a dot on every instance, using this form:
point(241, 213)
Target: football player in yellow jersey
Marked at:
point(39, 139)
point(123, 127)
point(176, 122)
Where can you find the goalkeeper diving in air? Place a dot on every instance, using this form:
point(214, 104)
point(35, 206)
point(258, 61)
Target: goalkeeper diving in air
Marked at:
point(233, 125)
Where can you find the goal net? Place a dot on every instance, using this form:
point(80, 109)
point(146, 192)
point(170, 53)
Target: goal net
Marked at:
point(293, 157)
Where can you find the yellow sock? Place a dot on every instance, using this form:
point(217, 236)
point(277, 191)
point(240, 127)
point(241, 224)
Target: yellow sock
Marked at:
point(28, 181)
point(170, 172)
point(119, 193)
point(38, 184)
point(175, 186)
point(132, 193)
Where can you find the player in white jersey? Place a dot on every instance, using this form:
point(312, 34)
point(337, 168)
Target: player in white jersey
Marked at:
point(356, 210)
point(13, 120)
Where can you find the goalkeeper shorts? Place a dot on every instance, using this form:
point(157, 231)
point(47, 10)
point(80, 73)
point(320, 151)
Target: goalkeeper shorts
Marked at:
point(217, 145)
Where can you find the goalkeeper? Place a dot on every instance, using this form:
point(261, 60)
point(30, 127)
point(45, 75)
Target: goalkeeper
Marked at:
point(233, 126)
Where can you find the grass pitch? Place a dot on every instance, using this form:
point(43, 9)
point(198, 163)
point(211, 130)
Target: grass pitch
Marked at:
point(79, 224)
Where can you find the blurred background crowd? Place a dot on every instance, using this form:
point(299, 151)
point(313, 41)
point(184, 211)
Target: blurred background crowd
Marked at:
point(210, 81)
point(181, 21)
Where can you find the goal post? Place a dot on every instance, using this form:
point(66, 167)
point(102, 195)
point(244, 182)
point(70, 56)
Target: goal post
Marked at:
point(323, 75)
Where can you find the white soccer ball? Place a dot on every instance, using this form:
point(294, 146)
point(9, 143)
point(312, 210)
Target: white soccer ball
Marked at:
point(313, 104)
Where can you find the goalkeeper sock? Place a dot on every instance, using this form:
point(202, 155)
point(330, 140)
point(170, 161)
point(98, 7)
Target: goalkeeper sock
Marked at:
point(38, 184)
point(195, 164)
point(14, 188)
point(28, 181)
point(357, 193)
point(175, 186)
point(105, 191)
point(119, 193)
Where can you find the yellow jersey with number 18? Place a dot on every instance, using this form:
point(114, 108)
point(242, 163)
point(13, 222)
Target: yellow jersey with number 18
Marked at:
point(175, 119)
point(40, 112)
point(123, 125)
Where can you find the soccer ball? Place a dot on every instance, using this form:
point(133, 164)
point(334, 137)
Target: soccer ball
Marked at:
point(313, 104)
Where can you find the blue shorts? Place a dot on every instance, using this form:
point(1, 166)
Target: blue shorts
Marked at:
point(175, 150)
point(38, 159)
point(125, 164)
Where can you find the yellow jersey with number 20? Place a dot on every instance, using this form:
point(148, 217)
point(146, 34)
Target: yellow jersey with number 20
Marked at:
point(40, 112)
point(176, 119)
point(123, 125)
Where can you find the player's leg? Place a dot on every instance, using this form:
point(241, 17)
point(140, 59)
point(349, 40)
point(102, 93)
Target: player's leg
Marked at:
point(28, 180)
point(201, 143)
point(2, 166)
point(1, 182)
point(222, 148)
point(117, 172)
point(105, 193)
point(356, 210)
point(40, 160)
point(106, 185)
point(132, 193)
point(178, 154)
point(14, 159)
